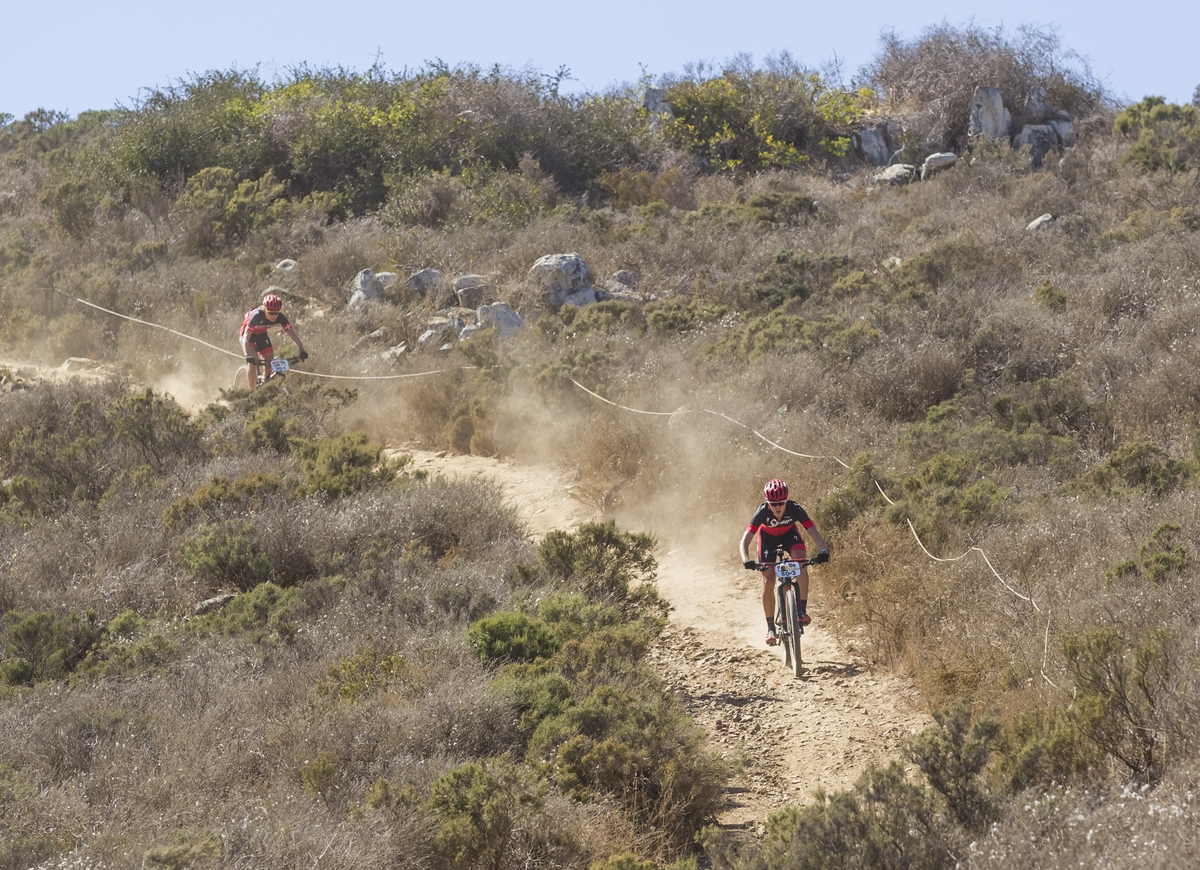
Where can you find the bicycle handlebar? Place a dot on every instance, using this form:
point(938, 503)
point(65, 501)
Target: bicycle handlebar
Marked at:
point(291, 360)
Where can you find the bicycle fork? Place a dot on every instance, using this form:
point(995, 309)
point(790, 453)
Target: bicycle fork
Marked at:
point(781, 620)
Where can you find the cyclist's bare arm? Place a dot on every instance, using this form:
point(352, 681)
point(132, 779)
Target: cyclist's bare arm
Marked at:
point(743, 547)
point(290, 329)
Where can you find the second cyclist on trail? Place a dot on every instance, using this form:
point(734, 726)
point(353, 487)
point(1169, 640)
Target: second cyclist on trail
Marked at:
point(776, 524)
point(255, 340)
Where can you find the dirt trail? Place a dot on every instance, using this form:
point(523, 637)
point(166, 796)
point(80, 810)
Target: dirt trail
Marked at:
point(838, 719)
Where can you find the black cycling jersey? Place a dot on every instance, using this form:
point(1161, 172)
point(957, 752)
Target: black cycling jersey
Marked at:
point(764, 519)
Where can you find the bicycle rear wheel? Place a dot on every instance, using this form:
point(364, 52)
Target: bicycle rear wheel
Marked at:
point(793, 628)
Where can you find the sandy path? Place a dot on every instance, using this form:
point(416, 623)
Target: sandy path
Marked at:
point(836, 720)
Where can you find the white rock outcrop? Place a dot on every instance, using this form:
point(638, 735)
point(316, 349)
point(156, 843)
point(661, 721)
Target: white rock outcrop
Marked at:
point(499, 316)
point(989, 118)
point(557, 276)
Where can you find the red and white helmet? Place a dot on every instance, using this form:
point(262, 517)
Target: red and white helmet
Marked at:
point(775, 490)
point(271, 302)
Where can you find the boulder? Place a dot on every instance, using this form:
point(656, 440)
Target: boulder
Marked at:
point(368, 282)
point(212, 605)
point(434, 336)
point(500, 317)
point(871, 145)
point(580, 298)
point(387, 280)
point(989, 118)
point(78, 363)
point(899, 173)
point(286, 265)
point(367, 289)
point(471, 290)
point(421, 283)
point(1065, 131)
point(1035, 106)
point(937, 161)
point(655, 102)
point(557, 276)
point(392, 354)
point(622, 276)
point(1041, 139)
point(1040, 223)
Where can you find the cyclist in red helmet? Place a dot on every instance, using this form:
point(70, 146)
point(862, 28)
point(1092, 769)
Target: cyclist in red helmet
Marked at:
point(777, 523)
point(254, 339)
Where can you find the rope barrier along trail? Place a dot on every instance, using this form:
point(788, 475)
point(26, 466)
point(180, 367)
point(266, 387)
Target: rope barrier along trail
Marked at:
point(776, 446)
point(240, 357)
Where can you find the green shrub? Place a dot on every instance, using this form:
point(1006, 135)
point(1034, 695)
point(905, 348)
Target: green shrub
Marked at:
point(512, 637)
point(1050, 297)
point(628, 187)
point(1141, 467)
point(217, 210)
point(665, 317)
point(150, 655)
point(953, 755)
point(748, 120)
point(479, 807)
point(538, 693)
point(46, 646)
point(1160, 557)
point(607, 317)
point(185, 850)
point(599, 558)
point(1121, 686)
point(227, 554)
point(220, 497)
point(1166, 136)
point(858, 495)
point(780, 209)
point(156, 429)
point(884, 820)
point(957, 259)
point(368, 672)
point(342, 465)
point(263, 610)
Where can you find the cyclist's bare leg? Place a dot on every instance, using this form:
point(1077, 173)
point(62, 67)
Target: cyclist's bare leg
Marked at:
point(768, 594)
point(251, 375)
point(267, 355)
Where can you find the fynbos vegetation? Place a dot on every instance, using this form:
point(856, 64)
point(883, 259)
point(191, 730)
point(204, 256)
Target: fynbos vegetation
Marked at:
point(237, 631)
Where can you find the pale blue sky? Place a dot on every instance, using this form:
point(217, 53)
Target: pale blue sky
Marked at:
point(73, 56)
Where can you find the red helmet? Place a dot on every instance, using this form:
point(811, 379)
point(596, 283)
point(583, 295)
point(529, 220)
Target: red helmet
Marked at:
point(271, 302)
point(775, 490)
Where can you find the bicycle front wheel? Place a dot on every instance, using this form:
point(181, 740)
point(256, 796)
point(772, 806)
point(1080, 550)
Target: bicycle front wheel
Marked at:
point(791, 616)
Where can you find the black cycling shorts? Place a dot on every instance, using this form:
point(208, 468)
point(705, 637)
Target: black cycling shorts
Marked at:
point(768, 546)
point(260, 341)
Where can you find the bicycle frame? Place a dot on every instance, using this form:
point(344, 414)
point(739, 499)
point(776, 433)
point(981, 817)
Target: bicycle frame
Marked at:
point(787, 613)
point(279, 366)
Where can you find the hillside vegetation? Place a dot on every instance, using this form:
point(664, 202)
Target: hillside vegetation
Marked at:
point(400, 677)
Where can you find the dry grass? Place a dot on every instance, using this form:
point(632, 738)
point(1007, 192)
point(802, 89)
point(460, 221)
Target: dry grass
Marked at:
point(218, 742)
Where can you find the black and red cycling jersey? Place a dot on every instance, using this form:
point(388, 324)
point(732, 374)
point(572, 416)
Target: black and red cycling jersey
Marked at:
point(256, 322)
point(773, 532)
point(764, 519)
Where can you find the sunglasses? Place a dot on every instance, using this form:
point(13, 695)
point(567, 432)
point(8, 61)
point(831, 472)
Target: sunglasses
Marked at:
point(776, 503)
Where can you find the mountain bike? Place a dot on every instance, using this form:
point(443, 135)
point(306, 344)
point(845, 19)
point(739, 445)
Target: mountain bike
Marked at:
point(787, 609)
point(279, 367)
